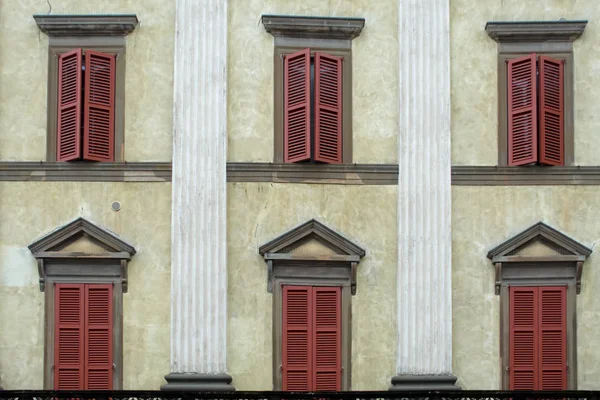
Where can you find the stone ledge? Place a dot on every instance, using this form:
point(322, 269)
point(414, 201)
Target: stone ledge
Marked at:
point(86, 25)
point(313, 27)
point(535, 31)
point(423, 382)
point(198, 382)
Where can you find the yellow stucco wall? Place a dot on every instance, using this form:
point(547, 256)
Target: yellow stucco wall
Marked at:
point(474, 75)
point(478, 225)
point(30, 209)
point(374, 77)
point(365, 215)
point(148, 82)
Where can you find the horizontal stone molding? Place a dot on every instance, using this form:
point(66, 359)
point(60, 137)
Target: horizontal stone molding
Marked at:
point(86, 25)
point(350, 174)
point(313, 27)
point(535, 31)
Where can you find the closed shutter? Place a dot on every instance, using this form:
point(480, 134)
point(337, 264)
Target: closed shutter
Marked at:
point(328, 108)
point(69, 106)
point(296, 93)
point(524, 332)
point(99, 107)
point(551, 109)
point(98, 338)
point(327, 337)
point(68, 337)
point(297, 349)
point(522, 110)
point(553, 333)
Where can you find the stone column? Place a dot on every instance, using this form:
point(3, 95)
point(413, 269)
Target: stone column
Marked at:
point(198, 260)
point(424, 353)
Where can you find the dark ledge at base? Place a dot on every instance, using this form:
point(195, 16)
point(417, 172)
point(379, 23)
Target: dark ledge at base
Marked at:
point(424, 382)
point(198, 382)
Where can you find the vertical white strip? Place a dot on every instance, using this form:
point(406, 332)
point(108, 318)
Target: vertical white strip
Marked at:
point(199, 265)
point(424, 197)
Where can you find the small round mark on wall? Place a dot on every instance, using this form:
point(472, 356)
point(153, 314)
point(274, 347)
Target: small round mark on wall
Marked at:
point(116, 206)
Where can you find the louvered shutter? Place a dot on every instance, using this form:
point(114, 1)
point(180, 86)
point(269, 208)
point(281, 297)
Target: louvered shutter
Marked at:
point(69, 106)
point(327, 369)
point(99, 107)
point(98, 338)
point(553, 329)
point(296, 94)
point(551, 109)
point(522, 110)
point(297, 349)
point(68, 337)
point(524, 332)
point(328, 108)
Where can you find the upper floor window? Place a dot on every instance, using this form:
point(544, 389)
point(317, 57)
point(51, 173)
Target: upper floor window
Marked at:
point(313, 87)
point(535, 91)
point(86, 86)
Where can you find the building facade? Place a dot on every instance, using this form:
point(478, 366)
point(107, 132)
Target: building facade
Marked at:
point(315, 195)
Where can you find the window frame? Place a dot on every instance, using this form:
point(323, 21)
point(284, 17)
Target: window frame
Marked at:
point(339, 48)
point(105, 44)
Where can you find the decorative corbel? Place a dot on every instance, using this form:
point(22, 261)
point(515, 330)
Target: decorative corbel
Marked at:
point(578, 273)
point(498, 279)
point(42, 274)
point(353, 278)
point(124, 275)
point(270, 276)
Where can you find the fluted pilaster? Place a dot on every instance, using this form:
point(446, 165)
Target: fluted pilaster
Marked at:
point(198, 260)
point(424, 353)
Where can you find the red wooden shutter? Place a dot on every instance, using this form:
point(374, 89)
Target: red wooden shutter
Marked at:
point(524, 332)
point(98, 338)
point(99, 107)
point(68, 337)
point(553, 334)
point(327, 337)
point(68, 143)
point(328, 108)
point(522, 111)
point(551, 110)
point(297, 346)
point(296, 93)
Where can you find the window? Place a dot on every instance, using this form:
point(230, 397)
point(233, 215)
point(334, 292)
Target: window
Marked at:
point(535, 110)
point(86, 86)
point(535, 91)
point(538, 277)
point(313, 87)
point(83, 273)
point(312, 275)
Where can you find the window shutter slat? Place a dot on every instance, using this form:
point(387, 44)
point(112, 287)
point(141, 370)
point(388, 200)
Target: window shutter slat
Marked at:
point(296, 93)
point(327, 339)
point(551, 109)
point(328, 108)
point(68, 337)
point(69, 106)
point(523, 339)
point(522, 110)
point(553, 329)
point(99, 107)
point(297, 351)
point(98, 338)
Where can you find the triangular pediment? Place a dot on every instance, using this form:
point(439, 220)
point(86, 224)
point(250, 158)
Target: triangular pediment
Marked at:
point(539, 240)
point(312, 239)
point(82, 237)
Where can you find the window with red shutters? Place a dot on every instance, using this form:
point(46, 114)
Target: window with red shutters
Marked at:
point(86, 106)
point(83, 336)
point(535, 111)
point(311, 338)
point(312, 94)
point(538, 358)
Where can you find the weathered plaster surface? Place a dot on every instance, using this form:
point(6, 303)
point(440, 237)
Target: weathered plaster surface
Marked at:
point(478, 225)
point(365, 215)
point(374, 80)
point(149, 77)
point(474, 75)
point(29, 210)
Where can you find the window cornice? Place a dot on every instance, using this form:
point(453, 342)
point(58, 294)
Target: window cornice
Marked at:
point(535, 31)
point(313, 27)
point(87, 25)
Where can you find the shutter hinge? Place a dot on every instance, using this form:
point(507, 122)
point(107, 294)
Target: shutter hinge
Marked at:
point(281, 367)
point(567, 366)
point(507, 368)
point(114, 366)
point(52, 367)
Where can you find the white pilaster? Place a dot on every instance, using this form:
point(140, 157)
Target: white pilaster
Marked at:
point(424, 354)
point(198, 260)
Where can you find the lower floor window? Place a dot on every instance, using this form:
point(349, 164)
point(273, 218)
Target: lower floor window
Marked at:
point(538, 338)
point(83, 343)
point(312, 338)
